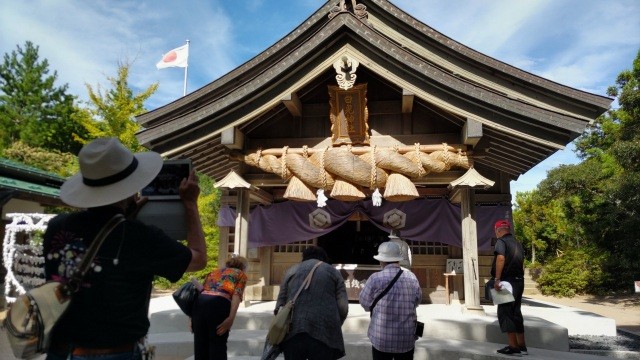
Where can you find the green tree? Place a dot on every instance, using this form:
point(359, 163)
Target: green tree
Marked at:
point(619, 228)
point(593, 208)
point(111, 112)
point(63, 164)
point(32, 108)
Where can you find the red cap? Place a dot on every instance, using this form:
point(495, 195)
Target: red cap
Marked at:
point(502, 224)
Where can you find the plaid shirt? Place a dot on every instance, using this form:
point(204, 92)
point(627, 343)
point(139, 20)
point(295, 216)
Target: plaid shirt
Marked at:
point(393, 320)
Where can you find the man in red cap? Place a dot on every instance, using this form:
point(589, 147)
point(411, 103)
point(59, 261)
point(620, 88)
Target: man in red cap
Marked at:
point(508, 267)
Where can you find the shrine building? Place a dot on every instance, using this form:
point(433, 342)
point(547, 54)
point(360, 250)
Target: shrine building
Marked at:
point(363, 121)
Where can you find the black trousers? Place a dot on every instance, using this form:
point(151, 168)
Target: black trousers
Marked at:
point(510, 314)
point(209, 312)
point(302, 346)
point(380, 355)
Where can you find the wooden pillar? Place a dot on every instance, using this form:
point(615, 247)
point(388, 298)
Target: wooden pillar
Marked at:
point(223, 245)
point(470, 251)
point(241, 242)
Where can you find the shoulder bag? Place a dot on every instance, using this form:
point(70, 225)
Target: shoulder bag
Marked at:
point(186, 296)
point(280, 324)
point(33, 315)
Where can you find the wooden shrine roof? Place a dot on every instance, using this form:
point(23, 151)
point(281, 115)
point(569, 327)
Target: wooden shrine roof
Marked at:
point(523, 118)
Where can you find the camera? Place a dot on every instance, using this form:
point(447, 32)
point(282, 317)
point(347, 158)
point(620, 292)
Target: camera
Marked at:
point(164, 208)
point(166, 184)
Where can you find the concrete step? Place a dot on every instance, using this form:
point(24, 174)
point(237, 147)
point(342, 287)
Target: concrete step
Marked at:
point(441, 321)
point(248, 345)
point(449, 331)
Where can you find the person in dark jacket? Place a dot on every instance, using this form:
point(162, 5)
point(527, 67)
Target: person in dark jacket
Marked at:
point(508, 271)
point(320, 310)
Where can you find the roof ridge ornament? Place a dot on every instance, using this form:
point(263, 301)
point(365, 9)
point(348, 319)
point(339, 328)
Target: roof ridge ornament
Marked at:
point(346, 72)
point(359, 10)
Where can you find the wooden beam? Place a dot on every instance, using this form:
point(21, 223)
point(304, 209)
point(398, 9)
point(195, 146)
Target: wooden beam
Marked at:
point(272, 180)
point(471, 132)
point(293, 104)
point(407, 101)
point(232, 138)
point(375, 139)
point(407, 112)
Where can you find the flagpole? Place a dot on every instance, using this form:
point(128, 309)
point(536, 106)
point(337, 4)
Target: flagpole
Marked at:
point(186, 70)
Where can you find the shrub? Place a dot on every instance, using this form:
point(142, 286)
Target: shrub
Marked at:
point(577, 271)
point(535, 270)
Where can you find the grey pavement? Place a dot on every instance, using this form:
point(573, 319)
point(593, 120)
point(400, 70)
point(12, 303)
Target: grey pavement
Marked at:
point(170, 329)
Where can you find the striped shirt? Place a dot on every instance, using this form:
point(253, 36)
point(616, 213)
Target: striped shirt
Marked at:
point(393, 320)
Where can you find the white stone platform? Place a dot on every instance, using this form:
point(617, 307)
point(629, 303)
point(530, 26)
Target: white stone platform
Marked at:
point(449, 333)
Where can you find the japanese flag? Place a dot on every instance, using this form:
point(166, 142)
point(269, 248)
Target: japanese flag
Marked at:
point(177, 57)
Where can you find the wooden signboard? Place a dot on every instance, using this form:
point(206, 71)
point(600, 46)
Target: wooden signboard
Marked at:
point(349, 115)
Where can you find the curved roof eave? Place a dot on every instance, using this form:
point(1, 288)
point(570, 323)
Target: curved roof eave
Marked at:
point(309, 28)
point(393, 53)
point(247, 70)
point(515, 74)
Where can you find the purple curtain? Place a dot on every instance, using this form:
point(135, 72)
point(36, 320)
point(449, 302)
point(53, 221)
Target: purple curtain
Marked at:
point(433, 220)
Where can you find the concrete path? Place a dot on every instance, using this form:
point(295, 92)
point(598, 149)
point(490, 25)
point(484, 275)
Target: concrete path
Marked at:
point(624, 309)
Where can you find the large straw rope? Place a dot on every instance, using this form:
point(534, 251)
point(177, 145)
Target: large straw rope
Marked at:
point(321, 169)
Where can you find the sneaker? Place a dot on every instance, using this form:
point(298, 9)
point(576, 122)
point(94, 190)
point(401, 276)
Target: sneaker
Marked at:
point(523, 350)
point(508, 350)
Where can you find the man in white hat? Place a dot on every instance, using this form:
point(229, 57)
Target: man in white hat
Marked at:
point(108, 315)
point(392, 296)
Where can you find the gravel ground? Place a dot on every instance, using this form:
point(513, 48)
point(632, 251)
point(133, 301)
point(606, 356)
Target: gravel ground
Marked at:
point(624, 341)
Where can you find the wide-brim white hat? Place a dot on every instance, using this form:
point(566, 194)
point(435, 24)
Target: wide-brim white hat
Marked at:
point(388, 252)
point(109, 172)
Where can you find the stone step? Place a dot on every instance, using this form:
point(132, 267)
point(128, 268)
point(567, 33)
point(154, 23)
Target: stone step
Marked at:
point(249, 344)
point(441, 321)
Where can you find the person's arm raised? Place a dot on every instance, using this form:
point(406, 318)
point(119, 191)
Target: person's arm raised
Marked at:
point(189, 192)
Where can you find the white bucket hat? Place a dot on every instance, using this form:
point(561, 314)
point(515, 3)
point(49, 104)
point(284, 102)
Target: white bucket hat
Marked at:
point(109, 172)
point(388, 252)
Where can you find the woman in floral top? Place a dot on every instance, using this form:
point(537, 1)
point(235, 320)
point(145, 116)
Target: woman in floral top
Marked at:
point(215, 309)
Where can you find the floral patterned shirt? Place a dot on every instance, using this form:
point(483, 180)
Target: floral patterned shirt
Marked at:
point(229, 280)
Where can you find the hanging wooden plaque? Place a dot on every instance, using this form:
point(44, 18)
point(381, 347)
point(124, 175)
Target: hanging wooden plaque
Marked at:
point(349, 115)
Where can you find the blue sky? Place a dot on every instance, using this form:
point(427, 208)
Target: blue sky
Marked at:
point(579, 43)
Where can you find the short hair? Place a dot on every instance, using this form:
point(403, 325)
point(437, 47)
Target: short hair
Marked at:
point(237, 262)
point(315, 252)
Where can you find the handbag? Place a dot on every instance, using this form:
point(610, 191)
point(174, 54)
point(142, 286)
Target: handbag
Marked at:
point(419, 328)
point(34, 314)
point(186, 296)
point(280, 323)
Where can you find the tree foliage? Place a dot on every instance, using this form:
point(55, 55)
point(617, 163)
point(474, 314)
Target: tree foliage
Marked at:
point(32, 108)
point(589, 213)
point(110, 112)
point(63, 164)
